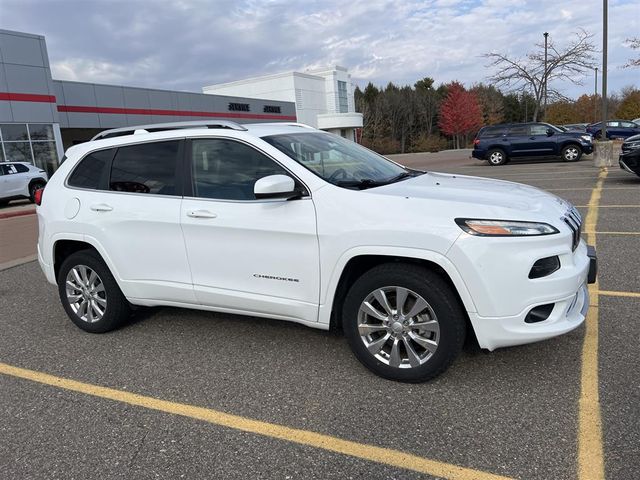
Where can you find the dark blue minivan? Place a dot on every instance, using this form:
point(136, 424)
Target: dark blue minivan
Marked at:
point(501, 143)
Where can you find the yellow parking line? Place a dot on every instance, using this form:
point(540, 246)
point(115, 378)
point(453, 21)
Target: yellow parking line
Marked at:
point(617, 233)
point(613, 293)
point(386, 456)
point(590, 449)
point(609, 206)
point(589, 188)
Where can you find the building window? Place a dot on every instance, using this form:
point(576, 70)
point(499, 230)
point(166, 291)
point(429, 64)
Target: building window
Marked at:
point(343, 101)
point(33, 143)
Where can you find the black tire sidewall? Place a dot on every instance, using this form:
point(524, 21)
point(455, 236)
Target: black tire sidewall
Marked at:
point(117, 310)
point(435, 291)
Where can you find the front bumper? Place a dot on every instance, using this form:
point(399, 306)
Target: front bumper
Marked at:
point(630, 161)
point(568, 313)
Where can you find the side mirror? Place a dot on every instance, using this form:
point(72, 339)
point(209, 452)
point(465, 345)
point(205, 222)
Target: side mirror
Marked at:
point(275, 186)
point(550, 132)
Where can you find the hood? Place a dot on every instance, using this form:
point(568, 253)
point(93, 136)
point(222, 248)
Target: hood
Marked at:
point(477, 191)
point(634, 138)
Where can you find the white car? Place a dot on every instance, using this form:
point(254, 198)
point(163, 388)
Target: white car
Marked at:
point(20, 180)
point(288, 222)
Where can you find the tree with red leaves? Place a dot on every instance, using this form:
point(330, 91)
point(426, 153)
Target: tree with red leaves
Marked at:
point(460, 113)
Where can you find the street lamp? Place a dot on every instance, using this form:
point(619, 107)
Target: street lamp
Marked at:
point(595, 98)
point(604, 69)
point(544, 74)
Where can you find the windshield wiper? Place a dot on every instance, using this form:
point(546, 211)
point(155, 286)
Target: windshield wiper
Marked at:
point(370, 183)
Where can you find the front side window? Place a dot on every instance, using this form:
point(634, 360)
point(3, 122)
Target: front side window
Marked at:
point(146, 168)
point(9, 169)
point(338, 161)
point(228, 170)
point(91, 170)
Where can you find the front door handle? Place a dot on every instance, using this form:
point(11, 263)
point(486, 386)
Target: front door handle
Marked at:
point(101, 207)
point(201, 214)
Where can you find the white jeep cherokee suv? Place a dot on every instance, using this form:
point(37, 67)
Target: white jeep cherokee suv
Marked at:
point(20, 180)
point(288, 222)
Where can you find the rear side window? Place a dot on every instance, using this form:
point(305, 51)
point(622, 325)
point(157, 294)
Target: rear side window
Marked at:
point(21, 168)
point(91, 170)
point(493, 132)
point(146, 168)
point(519, 130)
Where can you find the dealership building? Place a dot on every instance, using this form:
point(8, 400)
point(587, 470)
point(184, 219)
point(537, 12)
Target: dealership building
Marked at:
point(41, 117)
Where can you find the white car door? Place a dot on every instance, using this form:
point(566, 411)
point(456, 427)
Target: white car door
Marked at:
point(13, 182)
point(133, 212)
point(250, 256)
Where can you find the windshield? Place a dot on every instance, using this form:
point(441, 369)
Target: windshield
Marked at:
point(338, 160)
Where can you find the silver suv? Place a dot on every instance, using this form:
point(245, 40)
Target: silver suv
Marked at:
point(20, 180)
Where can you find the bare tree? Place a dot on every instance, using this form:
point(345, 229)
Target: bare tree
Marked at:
point(634, 44)
point(529, 73)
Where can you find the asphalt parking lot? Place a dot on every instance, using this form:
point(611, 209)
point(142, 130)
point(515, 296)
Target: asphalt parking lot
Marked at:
point(201, 395)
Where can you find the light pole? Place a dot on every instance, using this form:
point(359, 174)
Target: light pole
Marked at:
point(544, 75)
point(604, 68)
point(595, 99)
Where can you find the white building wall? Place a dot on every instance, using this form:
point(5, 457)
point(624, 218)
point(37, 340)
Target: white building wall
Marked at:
point(315, 93)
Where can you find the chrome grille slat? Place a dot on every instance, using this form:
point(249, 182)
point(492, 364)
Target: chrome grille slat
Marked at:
point(573, 219)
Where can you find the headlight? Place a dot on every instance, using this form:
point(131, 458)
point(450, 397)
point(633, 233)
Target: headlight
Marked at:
point(632, 145)
point(504, 228)
point(586, 138)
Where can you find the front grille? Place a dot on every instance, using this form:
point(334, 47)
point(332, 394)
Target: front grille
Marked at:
point(573, 219)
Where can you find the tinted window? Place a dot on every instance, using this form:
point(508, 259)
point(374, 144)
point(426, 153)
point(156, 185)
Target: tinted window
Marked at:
point(21, 168)
point(228, 170)
point(146, 168)
point(628, 124)
point(519, 130)
point(9, 169)
point(493, 132)
point(539, 129)
point(90, 170)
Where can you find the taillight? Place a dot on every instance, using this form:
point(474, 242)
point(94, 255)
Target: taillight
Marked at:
point(37, 196)
point(476, 141)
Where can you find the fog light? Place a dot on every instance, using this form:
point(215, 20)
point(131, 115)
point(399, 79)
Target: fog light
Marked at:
point(545, 266)
point(540, 313)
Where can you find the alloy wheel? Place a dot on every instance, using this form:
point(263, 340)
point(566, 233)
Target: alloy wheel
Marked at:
point(398, 327)
point(496, 158)
point(571, 154)
point(86, 293)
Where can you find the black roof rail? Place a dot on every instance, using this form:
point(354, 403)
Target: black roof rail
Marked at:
point(162, 127)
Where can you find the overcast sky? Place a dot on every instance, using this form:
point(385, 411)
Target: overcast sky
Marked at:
point(185, 45)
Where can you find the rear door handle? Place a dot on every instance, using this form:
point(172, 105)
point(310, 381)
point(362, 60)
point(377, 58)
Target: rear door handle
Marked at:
point(201, 214)
point(101, 207)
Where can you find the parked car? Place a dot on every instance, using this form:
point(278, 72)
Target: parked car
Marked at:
point(615, 129)
point(289, 222)
point(630, 156)
point(636, 121)
point(575, 127)
point(20, 180)
point(501, 143)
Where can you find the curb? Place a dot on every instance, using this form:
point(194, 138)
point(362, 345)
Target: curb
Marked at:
point(17, 261)
point(18, 213)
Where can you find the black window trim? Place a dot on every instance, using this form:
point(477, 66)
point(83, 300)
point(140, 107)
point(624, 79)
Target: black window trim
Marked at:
point(103, 184)
point(188, 178)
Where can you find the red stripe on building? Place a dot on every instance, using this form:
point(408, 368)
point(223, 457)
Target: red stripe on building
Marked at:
point(177, 113)
point(27, 97)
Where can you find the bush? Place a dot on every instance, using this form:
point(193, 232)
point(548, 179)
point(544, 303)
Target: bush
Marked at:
point(429, 143)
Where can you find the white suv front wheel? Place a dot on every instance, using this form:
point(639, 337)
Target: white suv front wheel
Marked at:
point(403, 322)
point(89, 293)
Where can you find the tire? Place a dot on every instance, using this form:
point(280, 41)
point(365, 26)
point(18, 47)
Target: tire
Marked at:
point(497, 157)
point(32, 190)
point(571, 153)
point(76, 282)
point(441, 316)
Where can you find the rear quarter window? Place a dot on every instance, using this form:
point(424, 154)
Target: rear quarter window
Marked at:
point(492, 132)
point(91, 171)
